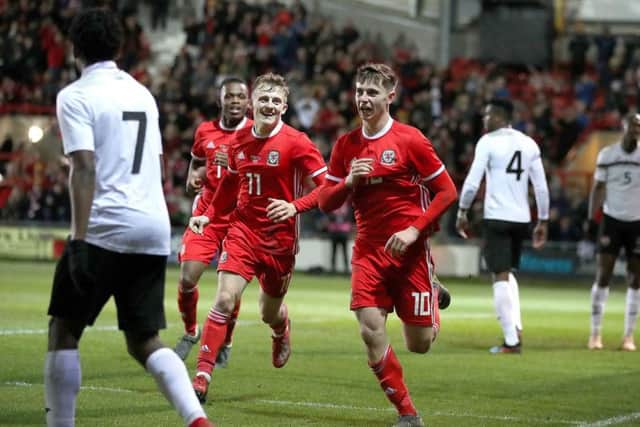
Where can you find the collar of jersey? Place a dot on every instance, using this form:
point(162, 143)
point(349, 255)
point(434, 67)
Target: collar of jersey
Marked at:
point(102, 65)
point(239, 126)
point(381, 132)
point(273, 132)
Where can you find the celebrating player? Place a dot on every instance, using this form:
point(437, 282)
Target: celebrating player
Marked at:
point(267, 170)
point(508, 159)
point(389, 169)
point(211, 144)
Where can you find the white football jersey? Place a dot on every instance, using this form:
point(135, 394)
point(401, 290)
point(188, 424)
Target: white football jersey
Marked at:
point(620, 171)
point(108, 112)
point(507, 159)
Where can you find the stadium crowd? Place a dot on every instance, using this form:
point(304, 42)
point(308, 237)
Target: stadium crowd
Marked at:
point(557, 105)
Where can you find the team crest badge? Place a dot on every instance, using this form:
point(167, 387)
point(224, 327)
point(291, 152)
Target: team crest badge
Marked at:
point(388, 157)
point(223, 257)
point(273, 158)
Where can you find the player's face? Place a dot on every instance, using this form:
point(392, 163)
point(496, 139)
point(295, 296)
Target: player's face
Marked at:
point(269, 104)
point(490, 119)
point(632, 127)
point(234, 99)
point(372, 100)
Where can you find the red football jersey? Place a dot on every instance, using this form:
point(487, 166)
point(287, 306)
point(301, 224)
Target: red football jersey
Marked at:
point(210, 137)
point(395, 194)
point(273, 167)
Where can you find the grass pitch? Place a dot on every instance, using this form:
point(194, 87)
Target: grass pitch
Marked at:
point(555, 382)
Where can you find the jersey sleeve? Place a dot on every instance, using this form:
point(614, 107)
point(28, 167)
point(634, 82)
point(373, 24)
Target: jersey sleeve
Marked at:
point(197, 149)
point(308, 158)
point(600, 173)
point(472, 182)
point(337, 172)
point(539, 182)
point(75, 121)
point(424, 158)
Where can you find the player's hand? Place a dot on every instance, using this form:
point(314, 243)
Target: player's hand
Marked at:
point(592, 228)
point(280, 210)
point(539, 235)
point(197, 223)
point(462, 224)
point(221, 159)
point(399, 242)
point(79, 268)
point(196, 182)
point(359, 169)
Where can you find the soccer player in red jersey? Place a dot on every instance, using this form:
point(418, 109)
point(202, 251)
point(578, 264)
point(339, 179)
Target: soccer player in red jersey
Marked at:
point(268, 168)
point(387, 168)
point(211, 143)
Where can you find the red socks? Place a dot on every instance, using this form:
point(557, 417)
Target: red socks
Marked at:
point(213, 335)
point(389, 373)
point(188, 306)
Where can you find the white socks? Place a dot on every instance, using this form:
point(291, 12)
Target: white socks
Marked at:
point(504, 310)
point(515, 301)
point(62, 377)
point(173, 380)
point(598, 300)
point(631, 311)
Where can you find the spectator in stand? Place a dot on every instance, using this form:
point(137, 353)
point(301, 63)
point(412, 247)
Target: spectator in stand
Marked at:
point(339, 228)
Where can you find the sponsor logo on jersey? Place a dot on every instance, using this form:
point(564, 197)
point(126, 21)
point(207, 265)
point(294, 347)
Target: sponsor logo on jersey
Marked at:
point(210, 144)
point(223, 257)
point(240, 156)
point(273, 158)
point(388, 157)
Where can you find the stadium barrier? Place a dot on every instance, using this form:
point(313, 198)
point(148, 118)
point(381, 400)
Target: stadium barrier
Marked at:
point(32, 241)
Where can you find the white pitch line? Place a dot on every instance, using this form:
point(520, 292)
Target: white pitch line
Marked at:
point(84, 387)
point(111, 328)
point(612, 421)
point(321, 405)
point(436, 413)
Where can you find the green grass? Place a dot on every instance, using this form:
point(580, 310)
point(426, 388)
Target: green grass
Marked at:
point(555, 382)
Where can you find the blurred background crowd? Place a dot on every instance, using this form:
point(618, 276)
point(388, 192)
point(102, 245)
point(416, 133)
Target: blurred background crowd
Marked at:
point(558, 104)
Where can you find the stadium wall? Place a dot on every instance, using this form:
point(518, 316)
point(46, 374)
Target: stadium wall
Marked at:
point(45, 243)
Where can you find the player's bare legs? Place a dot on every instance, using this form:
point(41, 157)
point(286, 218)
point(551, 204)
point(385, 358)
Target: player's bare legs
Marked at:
point(632, 305)
point(275, 314)
point(214, 331)
point(599, 295)
point(419, 338)
point(385, 365)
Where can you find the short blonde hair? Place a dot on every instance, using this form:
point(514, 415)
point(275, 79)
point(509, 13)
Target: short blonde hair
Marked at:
point(271, 80)
point(378, 73)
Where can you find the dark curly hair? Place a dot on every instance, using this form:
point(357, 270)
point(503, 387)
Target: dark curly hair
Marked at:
point(96, 35)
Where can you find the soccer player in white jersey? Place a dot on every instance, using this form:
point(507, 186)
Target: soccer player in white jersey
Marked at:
point(617, 186)
point(507, 159)
point(120, 230)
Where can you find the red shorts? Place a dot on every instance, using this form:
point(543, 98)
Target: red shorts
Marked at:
point(239, 256)
point(403, 284)
point(201, 247)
